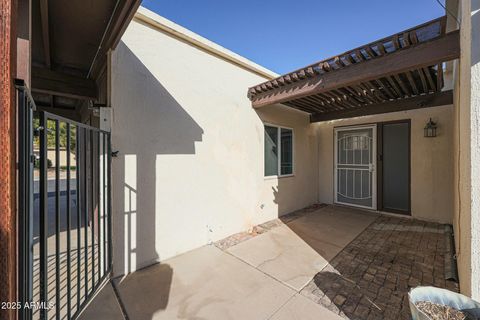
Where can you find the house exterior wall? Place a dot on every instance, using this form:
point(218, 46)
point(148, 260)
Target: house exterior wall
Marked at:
point(190, 164)
point(431, 160)
point(467, 149)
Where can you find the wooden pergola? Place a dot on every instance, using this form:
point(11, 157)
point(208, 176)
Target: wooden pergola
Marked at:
point(400, 72)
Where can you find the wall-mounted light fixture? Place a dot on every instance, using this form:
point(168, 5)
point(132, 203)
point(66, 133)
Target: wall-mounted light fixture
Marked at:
point(430, 129)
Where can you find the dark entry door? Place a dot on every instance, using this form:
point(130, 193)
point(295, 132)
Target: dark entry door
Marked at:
point(395, 157)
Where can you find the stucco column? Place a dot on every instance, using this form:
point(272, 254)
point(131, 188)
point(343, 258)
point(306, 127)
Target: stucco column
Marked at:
point(474, 14)
point(467, 150)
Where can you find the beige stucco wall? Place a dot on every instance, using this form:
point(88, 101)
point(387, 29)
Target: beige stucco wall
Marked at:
point(467, 149)
point(431, 160)
point(190, 164)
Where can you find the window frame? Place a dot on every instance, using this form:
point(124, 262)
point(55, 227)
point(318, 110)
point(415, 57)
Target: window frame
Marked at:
point(279, 147)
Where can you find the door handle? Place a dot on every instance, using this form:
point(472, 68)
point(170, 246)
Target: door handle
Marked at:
point(371, 167)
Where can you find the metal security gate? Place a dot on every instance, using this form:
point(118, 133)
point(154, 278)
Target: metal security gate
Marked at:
point(64, 212)
point(355, 158)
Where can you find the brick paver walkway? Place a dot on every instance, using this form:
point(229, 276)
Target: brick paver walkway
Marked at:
point(370, 278)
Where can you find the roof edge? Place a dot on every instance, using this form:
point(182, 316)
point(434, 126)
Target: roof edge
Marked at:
point(162, 24)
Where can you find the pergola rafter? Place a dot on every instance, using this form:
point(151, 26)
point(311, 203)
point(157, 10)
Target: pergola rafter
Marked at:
point(405, 66)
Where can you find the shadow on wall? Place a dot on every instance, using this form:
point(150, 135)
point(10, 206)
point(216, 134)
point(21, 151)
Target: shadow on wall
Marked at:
point(294, 192)
point(147, 122)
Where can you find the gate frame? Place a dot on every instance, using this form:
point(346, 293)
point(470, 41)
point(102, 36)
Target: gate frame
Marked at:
point(26, 158)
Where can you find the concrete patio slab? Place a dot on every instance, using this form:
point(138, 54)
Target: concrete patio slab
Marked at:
point(301, 308)
point(376, 260)
point(104, 306)
point(203, 284)
point(283, 255)
point(293, 253)
point(334, 225)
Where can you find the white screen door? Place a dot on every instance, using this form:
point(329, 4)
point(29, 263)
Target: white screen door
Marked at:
point(355, 159)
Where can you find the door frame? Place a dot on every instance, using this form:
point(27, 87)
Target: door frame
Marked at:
point(372, 126)
point(380, 167)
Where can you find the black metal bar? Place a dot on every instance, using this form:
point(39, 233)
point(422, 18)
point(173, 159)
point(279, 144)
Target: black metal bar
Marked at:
point(79, 124)
point(86, 209)
point(69, 227)
point(104, 239)
point(99, 264)
point(57, 220)
point(25, 197)
point(79, 196)
point(43, 216)
point(29, 219)
point(109, 202)
point(22, 197)
point(94, 200)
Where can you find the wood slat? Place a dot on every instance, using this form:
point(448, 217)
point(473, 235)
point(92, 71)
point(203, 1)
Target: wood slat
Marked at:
point(350, 59)
point(417, 102)
point(413, 85)
point(369, 92)
point(339, 62)
point(402, 85)
point(370, 52)
point(326, 67)
point(423, 80)
point(295, 106)
point(359, 55)
point(396, 42)
point(386, 88)
point(331, 103)
point(331, 100)
point(439, 77)
point(414, 39)
point(352, 97)
point(344, 99)
point(305, 106)
point(357, 95)
point(381, 48)
point(363, 93)
point(320, 105)
point(430, 81)
point(395, 87)
point(405, 40)
point(376, 91)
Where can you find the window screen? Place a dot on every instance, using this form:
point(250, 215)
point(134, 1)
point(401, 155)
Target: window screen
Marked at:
point(271, 151)
point(286, 159)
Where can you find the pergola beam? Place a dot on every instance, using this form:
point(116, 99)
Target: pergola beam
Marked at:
point(418, 102)
point(425, 54)
point(60, 84)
